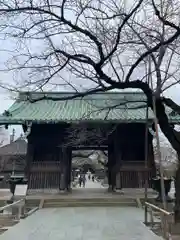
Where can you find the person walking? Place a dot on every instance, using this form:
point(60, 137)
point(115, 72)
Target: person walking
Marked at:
point(84, 180)
point(80, 180)
point(93, 178)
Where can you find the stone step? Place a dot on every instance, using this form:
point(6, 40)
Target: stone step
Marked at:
point(91, 199)
point(49, 204)
point(5, 216)
point(6, 222)
point(31, 203)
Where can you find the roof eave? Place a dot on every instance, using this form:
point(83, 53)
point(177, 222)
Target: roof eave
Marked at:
point(21, 122)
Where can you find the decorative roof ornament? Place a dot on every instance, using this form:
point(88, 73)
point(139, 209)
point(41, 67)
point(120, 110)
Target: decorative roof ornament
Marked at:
point(7, 113)
point(28, 131)
point(173, 113)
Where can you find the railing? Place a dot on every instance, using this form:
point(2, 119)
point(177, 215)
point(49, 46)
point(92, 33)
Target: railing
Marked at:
point(166, 219)
point(20, 204)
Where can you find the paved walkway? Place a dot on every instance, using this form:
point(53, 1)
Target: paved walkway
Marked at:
point(104, 223)
point(92, 185)
point(82, 224)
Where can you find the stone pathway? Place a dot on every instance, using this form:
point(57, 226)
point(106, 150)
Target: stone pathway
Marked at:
point(93, 223)
point(82, 224)
point(92, 185)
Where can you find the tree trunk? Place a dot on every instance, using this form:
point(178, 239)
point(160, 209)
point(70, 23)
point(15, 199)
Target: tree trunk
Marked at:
point(177, 195)
point(175, 228)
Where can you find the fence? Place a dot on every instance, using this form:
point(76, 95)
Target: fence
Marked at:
point(20, 208)
point(166, 219)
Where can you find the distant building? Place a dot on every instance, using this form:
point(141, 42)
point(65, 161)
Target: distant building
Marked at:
point(13, 157)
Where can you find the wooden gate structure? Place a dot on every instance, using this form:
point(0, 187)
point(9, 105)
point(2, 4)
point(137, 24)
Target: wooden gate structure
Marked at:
point(55, 124)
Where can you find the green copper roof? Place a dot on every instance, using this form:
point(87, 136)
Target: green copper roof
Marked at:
point(111, 106)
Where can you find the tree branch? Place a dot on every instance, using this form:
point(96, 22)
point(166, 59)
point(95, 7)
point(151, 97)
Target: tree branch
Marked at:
point(120, 29)
point(75, 95)
point(61, 19)
point(170, 103)
point(150, 51)
point(165, 22)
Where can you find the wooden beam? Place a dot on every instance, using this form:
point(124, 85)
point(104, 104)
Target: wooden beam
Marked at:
point(90, 147)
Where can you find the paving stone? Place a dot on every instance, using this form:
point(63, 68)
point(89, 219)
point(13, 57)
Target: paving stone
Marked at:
point(82, 224)
point(104, 223)
point(92, 185)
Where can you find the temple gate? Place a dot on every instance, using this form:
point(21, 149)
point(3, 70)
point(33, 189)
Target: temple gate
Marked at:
point(55, 127)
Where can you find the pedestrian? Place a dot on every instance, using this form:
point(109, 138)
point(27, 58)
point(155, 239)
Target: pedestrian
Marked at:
point(80, 180)
point(93, 178)
point(84, 180)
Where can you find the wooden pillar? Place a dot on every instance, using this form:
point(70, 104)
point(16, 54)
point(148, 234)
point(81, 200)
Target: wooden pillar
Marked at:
point(111, 167)
point(69, 167)
point(108, 166)
point(62, 183)
point(118, 168)
point(116, 160)
point(65, 172)
point(118, 163)
point(29, 159)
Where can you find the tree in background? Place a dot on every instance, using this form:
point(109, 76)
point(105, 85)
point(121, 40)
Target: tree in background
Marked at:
point(4, 136)
point(168, 156)
point(97, 46)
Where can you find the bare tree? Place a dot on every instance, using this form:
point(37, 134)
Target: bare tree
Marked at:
point(4, 138)
point(101, 45)
point(168, 155)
